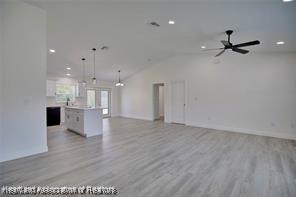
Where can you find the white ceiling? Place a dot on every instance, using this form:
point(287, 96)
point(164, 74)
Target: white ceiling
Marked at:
point(75, 27)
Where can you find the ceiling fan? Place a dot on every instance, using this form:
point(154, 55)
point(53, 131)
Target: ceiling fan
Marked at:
point(235, 48)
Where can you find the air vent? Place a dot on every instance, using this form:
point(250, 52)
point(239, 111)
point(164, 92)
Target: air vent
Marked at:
point(155, 24)
point(104, 48)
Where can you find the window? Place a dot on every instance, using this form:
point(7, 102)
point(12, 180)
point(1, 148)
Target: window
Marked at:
point(64, 92)
point(91, 98)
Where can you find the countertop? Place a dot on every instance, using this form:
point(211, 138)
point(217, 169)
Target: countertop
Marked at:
point(82, 107)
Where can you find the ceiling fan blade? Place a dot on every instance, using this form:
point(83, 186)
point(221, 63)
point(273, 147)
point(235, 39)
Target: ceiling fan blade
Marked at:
point(242, 51)
point(225, 43)
point(247, 44)
point(220, 53)
point(212, 49)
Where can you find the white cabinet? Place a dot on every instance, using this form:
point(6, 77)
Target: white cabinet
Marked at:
point(80, 90)
point(70, 120)
point(84, 121)
point(50, 88)
point(62, 114)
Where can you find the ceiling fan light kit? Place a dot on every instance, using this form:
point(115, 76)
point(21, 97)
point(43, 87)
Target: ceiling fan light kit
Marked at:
point(227, 45)
point(235, 48)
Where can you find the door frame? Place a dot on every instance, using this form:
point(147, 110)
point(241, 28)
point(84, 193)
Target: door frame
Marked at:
point(109, 100)
point(185, 100)
point(98, 98)
point(154, 86)
point(96, 95)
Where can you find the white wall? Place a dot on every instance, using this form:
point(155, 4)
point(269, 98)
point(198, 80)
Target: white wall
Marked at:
point(1, 79)
point(254, 93)
point(24, 76)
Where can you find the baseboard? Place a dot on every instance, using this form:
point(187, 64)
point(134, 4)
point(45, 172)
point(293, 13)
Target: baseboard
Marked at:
point(246, 131)
point(115, 115)
point(23, 153)
point(136, 117)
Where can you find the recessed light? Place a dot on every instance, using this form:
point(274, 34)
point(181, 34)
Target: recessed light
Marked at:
point(68, 68)
point(171, 22)
point(68, 74)
point(52, 50)
point(280, 42)
point(203, 47)
point(288, 0)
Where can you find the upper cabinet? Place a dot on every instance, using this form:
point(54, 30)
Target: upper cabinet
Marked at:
point(50, 88)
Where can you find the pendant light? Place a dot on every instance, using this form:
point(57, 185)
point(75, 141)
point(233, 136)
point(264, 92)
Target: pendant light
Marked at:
point(119, 83)
point(94, 80)
point(83, 65)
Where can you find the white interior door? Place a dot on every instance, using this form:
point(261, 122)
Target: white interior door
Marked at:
point(178, 102)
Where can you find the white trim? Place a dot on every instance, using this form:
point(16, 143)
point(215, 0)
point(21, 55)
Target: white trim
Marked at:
point(153, 99)
point(23, 153)
point(115, 115)
point(282, 135)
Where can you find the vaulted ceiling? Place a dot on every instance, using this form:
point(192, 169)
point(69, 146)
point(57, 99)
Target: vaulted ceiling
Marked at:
point(76, 26)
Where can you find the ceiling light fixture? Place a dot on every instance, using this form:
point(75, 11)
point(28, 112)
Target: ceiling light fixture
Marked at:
point(119, 83)
point(280, 42)
point(68, 74)
point(288, 0)
point(52, 50)
point(83, 79)
point(203, 47)
point(94, 80)
point(171, 22)
point(68, 68)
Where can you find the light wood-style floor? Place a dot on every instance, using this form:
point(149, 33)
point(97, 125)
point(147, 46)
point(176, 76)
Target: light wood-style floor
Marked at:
point(143, 158)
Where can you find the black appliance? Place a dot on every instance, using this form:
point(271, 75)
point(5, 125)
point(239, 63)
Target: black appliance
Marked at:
point(53, 115)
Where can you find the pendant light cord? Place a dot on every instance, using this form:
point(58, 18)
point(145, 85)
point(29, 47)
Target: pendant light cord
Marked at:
point(83, 59)
point(94, 49)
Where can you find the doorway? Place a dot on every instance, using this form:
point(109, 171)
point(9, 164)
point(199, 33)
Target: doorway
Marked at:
point(178, 102)
point(100, 97)
point(158, 101)
point(105, 102)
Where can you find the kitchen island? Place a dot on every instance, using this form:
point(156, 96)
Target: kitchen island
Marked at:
point(84, 121)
